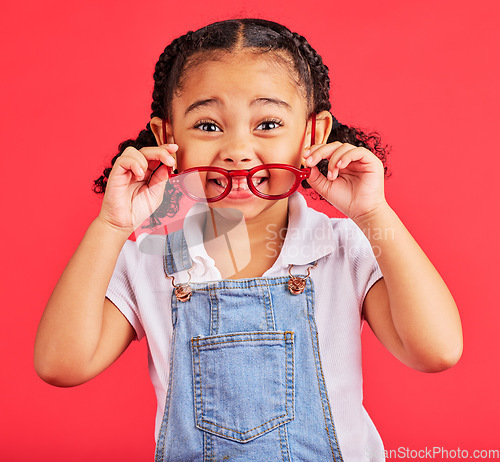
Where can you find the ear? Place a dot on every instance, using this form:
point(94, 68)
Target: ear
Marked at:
point(157, 128)
point(324, 123)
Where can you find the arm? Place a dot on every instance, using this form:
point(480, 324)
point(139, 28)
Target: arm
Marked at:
point(410, 310)
point(81, 332)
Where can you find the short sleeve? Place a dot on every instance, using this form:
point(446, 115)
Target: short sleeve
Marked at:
point(364, 265)
point(121, 289)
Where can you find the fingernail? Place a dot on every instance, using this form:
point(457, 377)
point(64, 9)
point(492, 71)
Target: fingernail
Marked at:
point(170, 146)
point(329, 175)
point(309, 161)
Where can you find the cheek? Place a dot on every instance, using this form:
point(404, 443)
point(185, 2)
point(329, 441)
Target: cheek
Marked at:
point(186, 159)
point(193, 155)
point(289, 152)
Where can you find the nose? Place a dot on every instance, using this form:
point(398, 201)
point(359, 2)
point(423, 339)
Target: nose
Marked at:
point(237, 150)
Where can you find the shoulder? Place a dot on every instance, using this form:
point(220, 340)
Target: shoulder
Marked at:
point(346, 228)
point(352, 254)
point(349, 235)
point(147, 249)
point(321, 236)
point(305, 217)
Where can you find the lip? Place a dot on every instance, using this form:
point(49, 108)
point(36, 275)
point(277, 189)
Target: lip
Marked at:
point(240, 189)
point(238, 194)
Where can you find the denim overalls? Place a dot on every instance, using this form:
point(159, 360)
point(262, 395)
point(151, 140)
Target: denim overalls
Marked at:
point(246, 382)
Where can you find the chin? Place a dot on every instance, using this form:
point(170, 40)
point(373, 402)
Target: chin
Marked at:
point(248, 211)
point(229, 212)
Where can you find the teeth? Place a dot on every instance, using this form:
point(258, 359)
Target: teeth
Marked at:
point(259, 180)
point(222, 183)
point(240, 184)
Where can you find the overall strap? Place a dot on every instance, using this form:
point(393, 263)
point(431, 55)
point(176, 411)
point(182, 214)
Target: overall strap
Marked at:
point(176, 257)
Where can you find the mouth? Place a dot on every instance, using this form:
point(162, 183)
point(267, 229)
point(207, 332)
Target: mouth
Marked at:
point(260, 180)
point(239, 183)
point(220, 182)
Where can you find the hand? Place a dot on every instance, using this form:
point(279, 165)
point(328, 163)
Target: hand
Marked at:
point(133, 193)
point(355, 181)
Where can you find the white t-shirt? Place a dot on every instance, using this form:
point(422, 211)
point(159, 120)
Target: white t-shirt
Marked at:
point(346, 270)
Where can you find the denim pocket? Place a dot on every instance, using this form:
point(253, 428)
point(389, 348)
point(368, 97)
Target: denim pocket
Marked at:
point(243, 383)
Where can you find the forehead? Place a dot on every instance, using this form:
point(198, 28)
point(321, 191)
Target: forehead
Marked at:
point(241, 76)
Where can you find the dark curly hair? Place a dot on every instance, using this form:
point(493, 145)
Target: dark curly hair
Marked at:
point(263, 37)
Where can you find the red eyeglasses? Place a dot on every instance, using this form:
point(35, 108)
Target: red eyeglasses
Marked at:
point(267, 181)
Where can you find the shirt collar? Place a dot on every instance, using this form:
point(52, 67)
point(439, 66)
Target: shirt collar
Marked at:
point(194, 224)
point(309, 235)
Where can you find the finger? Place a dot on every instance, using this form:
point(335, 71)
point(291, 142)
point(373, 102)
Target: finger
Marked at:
point(150, 154)
point(139, 162)
point(130, 162)
point(318, 181)
point(159, 177)
point(342, 159)
point(319, 152)
point(160, 153)
point(333, 163)
point(315, 147)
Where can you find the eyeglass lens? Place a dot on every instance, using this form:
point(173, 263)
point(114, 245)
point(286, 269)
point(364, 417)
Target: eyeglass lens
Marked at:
point(273, 181)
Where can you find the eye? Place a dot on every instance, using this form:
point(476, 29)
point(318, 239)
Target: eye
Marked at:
point(270, 124)
point(207, 126)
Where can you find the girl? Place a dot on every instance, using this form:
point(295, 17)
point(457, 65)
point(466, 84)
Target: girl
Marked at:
point(253, 311)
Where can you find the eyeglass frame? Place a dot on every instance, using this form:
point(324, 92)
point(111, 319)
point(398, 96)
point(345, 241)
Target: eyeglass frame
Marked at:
point(300, 174)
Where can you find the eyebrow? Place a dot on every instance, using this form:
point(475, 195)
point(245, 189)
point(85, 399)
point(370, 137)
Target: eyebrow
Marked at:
point(272, 102)
point(215, 101)
point(202, 103)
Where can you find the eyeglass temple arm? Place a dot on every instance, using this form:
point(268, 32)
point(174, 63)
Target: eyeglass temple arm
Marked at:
point(164, 128)
point(313, 128)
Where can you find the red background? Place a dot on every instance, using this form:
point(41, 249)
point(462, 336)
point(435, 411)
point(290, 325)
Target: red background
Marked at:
point(77, 80)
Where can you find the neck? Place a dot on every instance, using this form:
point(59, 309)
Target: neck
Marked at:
point(246, 248)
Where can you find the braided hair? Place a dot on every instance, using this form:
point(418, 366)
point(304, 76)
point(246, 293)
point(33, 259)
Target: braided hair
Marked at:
point(260, 36)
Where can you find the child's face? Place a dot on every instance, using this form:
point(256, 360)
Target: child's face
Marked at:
point(237, 113)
